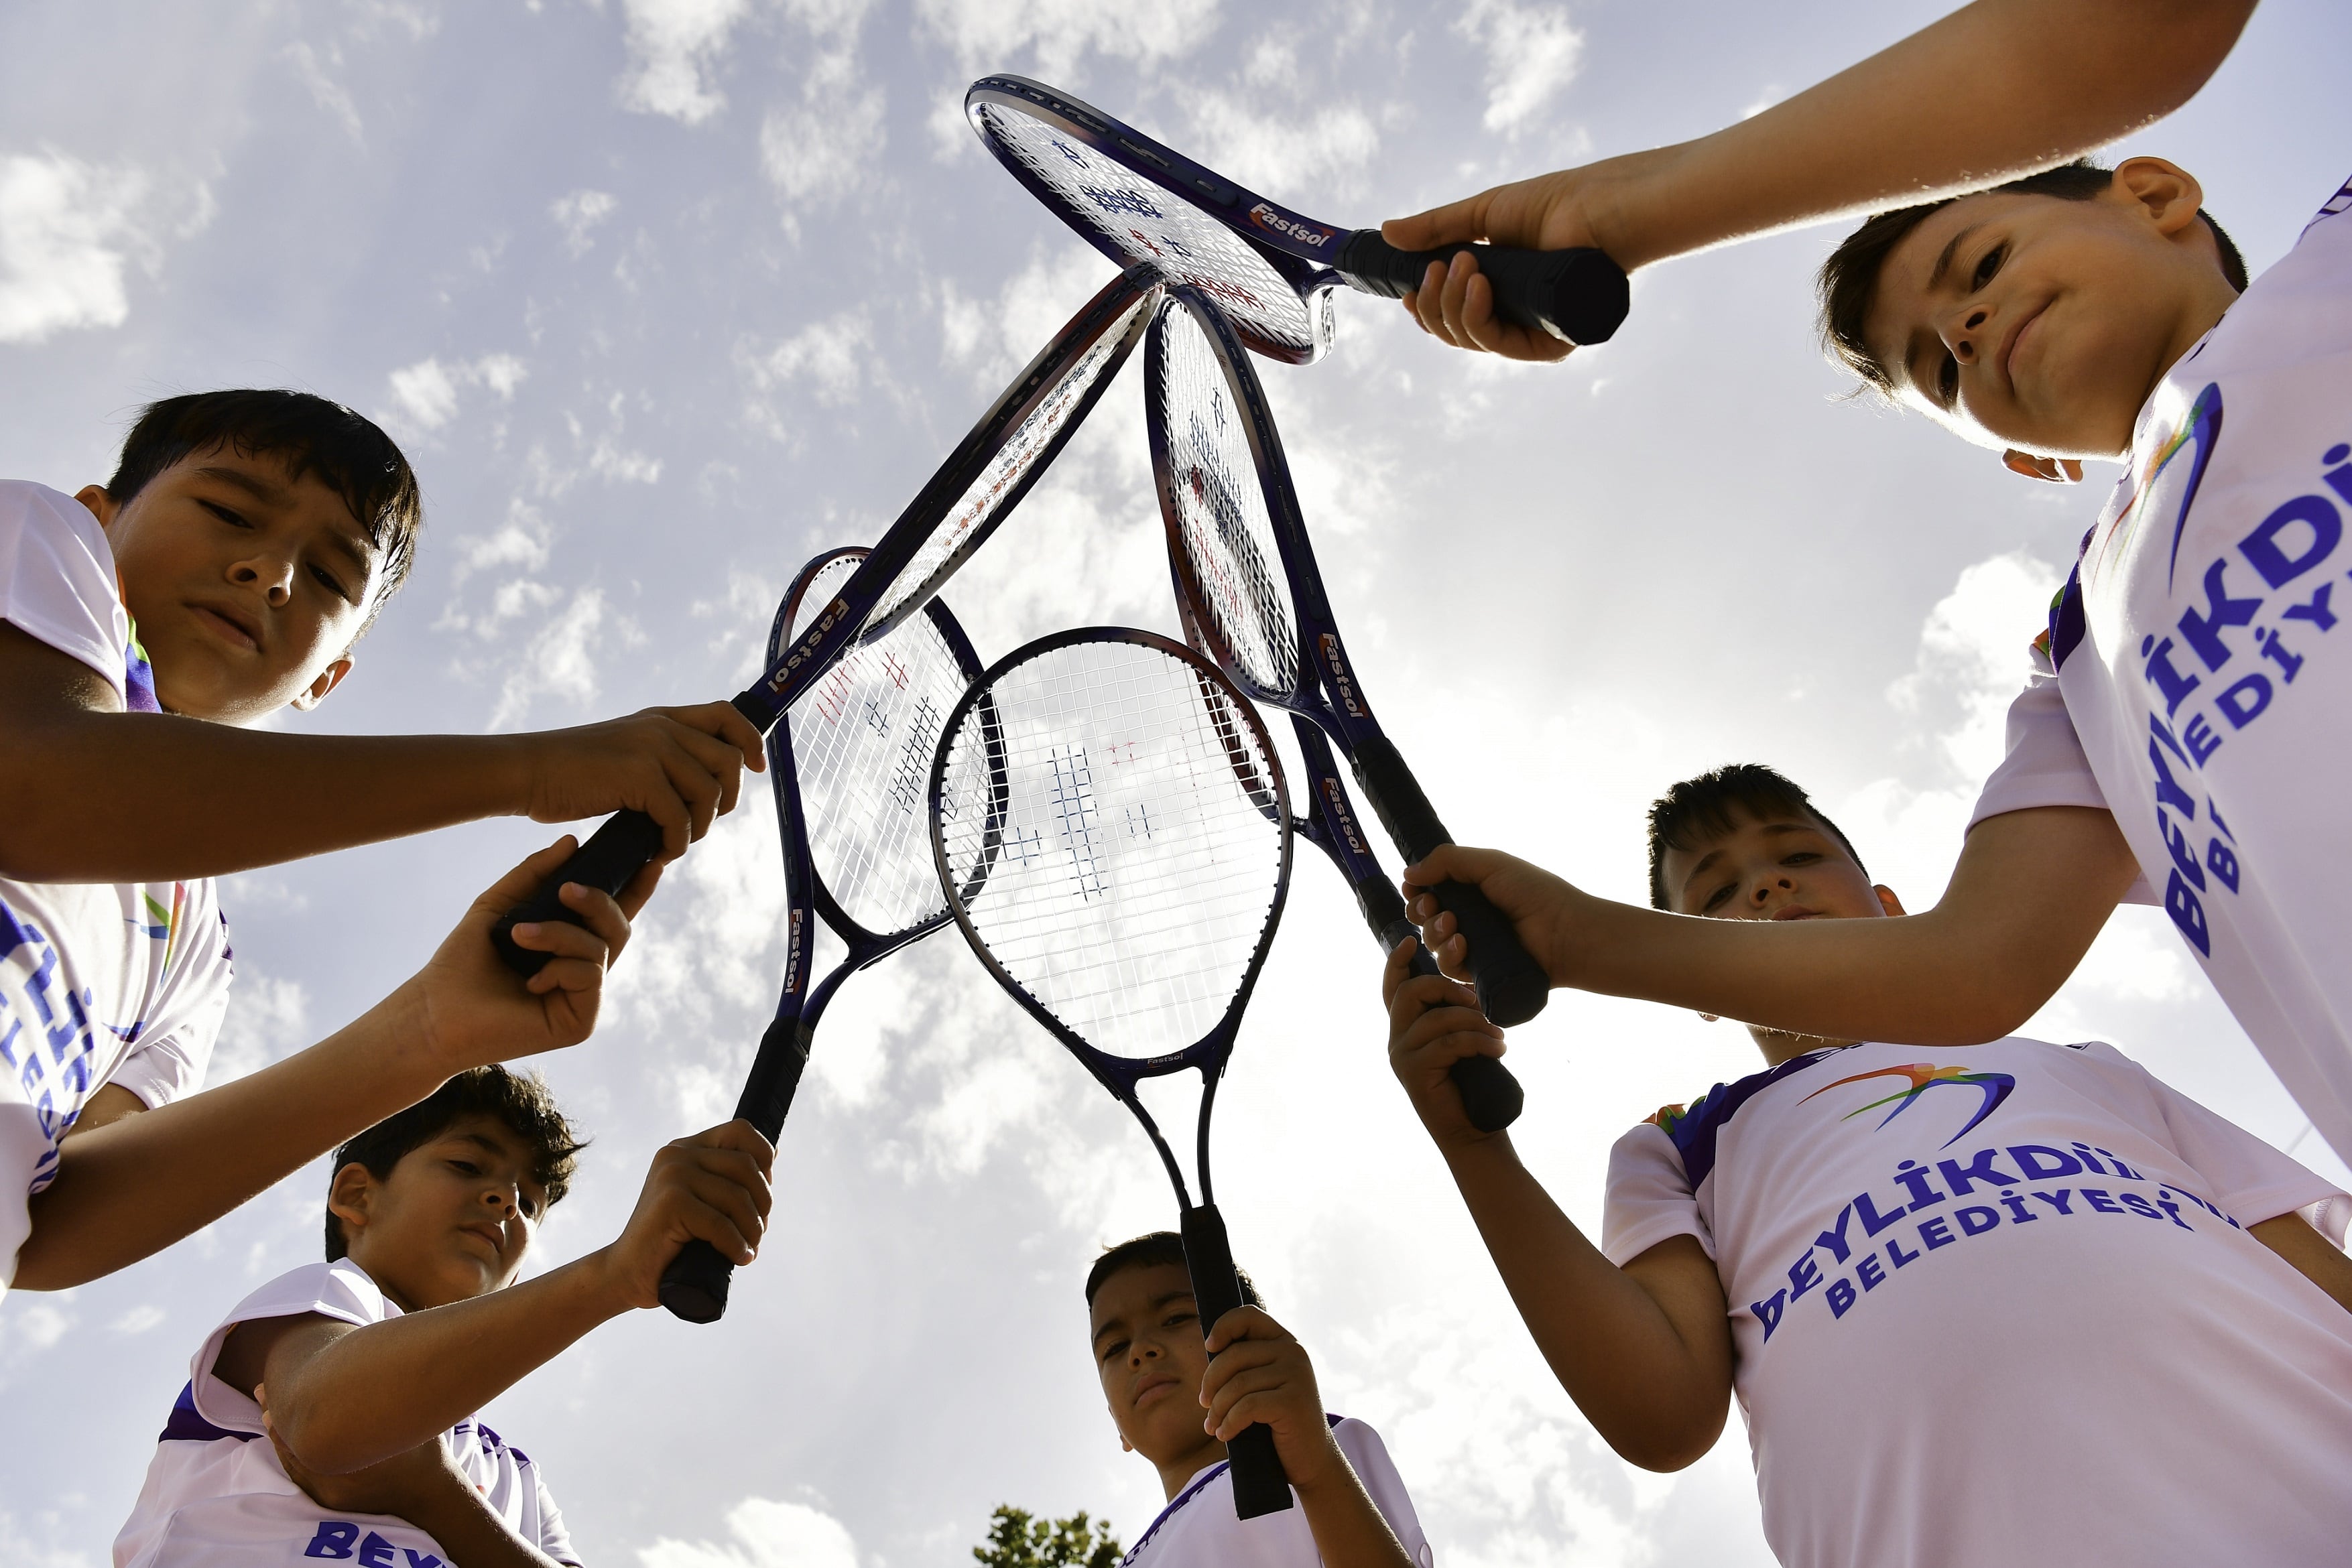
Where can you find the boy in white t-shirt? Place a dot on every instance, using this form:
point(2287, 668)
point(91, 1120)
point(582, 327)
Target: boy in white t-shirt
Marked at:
point(2181, 740)
point(330, 1415)
point(228, 569)
point(1159, 1369)
point(2017, 1302)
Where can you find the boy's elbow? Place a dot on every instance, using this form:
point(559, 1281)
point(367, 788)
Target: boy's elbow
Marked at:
point(1673, 1444)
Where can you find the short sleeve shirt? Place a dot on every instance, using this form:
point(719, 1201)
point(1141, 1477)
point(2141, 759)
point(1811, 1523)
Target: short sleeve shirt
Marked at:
point(123, 983)
point(216, 1496)
point(1198, 1529)
point(2196, 672)
point(1999, 1304)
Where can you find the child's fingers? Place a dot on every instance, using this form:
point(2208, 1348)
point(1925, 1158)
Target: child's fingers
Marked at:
point(722, 720)
point(1397, 970)
point(746, 1169)
point(743, 1138)
point(1462, 220)
point(600, 914)
point(523, 880)
point(719, 1193)
point(640, 890)
point(1242, 1322)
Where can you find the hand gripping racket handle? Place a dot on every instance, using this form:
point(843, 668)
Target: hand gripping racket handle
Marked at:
point(1512, 987)
point(1260, 1484)
point(1491, 1096)
point(1576, 296)
point(613, 854)
point(694, 1286)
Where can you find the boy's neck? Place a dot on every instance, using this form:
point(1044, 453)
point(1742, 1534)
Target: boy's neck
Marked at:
point(1177, 1473)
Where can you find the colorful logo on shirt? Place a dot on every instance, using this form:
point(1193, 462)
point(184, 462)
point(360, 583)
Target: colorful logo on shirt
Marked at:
point(138, 672)
point(1995, 1087)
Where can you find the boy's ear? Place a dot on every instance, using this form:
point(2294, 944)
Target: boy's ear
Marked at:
point(102, 504)
point(330, 677)
point(347, 1197)
point(1886, 899)
point(2169, 193)
point(2050, 470)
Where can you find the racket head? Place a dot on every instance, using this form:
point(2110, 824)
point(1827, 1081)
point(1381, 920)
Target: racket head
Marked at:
point(1236, 543)
point(1012, 445)
point(1127, 194)
point(1129, 825)
point(850, 761)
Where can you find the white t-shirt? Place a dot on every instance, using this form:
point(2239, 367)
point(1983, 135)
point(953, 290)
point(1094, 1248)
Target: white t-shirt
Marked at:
point(99, 983)
point(2015, 1323)
point(218, 1497)
point(1198, 1530)
point(2201, 688)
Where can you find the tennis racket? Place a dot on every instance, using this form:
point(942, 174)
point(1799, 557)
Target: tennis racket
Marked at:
point(972, 492)
point(1246, 577)
point(1113, 834)
point(1138, 201)
point(848, 766)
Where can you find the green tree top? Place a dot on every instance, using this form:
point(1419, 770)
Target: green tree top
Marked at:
point(1017, 1541)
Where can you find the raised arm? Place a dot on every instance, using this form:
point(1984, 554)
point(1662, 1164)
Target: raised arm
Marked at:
point(1996, 89)
point(2032, 890)
point(78, 776)
point(1645, 1350)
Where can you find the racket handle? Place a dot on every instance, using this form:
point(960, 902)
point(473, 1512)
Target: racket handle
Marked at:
point(1260, 1484)
point(694, 1286)
point(1576, 296)
point(1512, 987)
point(1491, 1095)
point(613, 854)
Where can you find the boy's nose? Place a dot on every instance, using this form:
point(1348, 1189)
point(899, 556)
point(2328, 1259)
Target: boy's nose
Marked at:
point(274, 578)
point(1962, 329)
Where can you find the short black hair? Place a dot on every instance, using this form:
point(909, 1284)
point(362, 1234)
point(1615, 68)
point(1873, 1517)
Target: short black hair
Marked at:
point(519, 1101)
point(314, 437)
point(1700, 809)
point(1848, 284)
point(1149, 1251)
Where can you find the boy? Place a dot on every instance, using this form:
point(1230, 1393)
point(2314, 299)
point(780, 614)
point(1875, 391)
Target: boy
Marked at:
point(2176, 741)
point(2015, 1303)
point(363, 1372)
point(1157, 1369)
point(244, 542)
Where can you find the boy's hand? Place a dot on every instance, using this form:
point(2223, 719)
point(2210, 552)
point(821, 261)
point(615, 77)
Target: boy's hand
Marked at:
point(1434, 1022)
point(711, 1188)
point(1258, 1372)
point(680, 766)
point(402, 1485)
point(475, 1010)
point(1539, 904)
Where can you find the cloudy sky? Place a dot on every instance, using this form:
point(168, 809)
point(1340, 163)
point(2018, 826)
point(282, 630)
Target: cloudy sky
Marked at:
point(664, 295)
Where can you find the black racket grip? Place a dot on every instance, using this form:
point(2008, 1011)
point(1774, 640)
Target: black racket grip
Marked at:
point(1512, 987)
point(1576, 296)
point(694, 1286)
point(613, 854)
point(1491, 1095)
point(1260, 1484)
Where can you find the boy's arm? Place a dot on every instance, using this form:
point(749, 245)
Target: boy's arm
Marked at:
point(343, 1398)
point(2030, 893)
point(78, 774)
point(422, 1487)
point(1258, 1373)
point(2316, 1258)
point(133, 1187)
point(1645, 1350)
point(1993, 90)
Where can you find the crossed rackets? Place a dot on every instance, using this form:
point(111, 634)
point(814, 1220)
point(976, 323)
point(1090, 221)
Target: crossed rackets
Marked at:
point(1102, 813)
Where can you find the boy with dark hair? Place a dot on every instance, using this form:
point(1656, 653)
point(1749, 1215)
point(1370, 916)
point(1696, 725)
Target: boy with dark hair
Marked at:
point(2176, 742)
point(1156, 1368)
point(2017, 1303)
point(244, 542)
point(363, 1372)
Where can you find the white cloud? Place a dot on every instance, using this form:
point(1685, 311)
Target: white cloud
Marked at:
point(608, 460)
point(315, 70)
point(67, 231)
point(1532, 52)
point(268, 1018)
point(523, 540)
point(427, 392)
point(138, 1319)
point(765, 1535)
point(674, 46)
point(830, 359)
point(561, 661)
point(578, 214)
point(1973, 658)
point(1053, 35)
point(1326, 149)
point(823, 147)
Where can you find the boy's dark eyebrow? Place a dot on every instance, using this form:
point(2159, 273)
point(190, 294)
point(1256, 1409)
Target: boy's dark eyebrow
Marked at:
point(1944, 258)
point(359, 552)
point(1156, 1302)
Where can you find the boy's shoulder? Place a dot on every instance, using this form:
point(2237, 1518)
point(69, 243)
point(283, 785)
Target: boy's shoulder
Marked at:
point(57, 584)
point(340, 1289)
point(1198, 1527)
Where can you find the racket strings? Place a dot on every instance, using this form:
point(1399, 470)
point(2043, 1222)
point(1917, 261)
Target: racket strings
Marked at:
point(863, 738)
point(1030, 441)
point(1210, 479)
point(1137, 855)
point(1148, 222)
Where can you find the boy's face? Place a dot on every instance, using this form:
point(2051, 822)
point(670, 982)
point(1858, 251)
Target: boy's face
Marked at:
point(247, 583)
point(1150, 1354)
point(1773, 867)
point(452, 1219)
point(2041, 324)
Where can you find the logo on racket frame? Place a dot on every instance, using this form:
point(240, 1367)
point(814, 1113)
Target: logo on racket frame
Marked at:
point(1267, 217)
point(810, 646)
point(1335, 797)
point(1336, 665)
